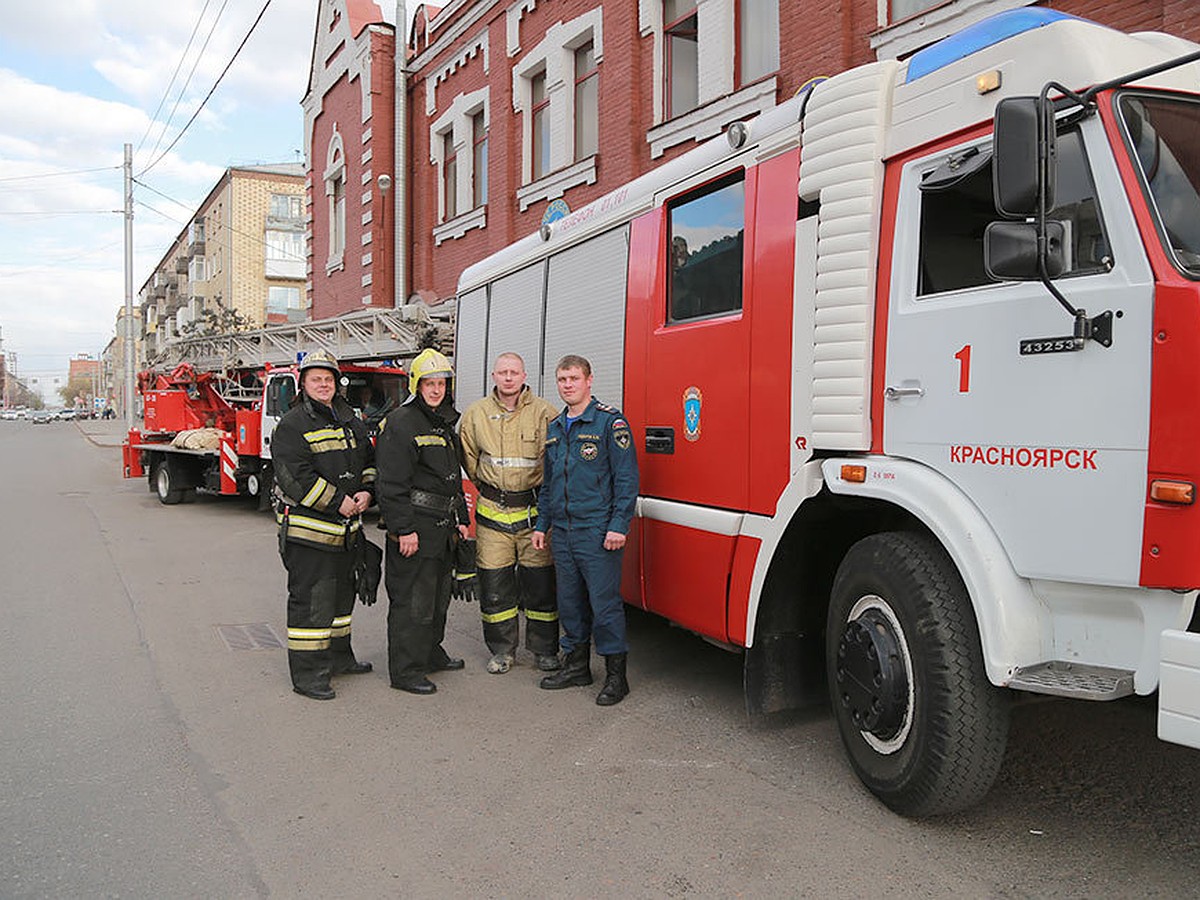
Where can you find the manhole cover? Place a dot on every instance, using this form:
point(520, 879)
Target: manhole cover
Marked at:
point(258, 636)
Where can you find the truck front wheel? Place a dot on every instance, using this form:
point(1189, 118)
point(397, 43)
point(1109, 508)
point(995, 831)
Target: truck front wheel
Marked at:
point(923, 728)
point(165, 484)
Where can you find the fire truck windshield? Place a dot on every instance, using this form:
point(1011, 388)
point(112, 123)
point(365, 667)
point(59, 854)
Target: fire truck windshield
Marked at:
point(1164, 137)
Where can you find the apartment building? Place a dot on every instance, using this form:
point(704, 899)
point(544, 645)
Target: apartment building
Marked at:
point(239, 263)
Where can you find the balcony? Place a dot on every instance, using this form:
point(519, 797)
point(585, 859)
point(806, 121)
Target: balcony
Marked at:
point(196, 238)
point(181, 265)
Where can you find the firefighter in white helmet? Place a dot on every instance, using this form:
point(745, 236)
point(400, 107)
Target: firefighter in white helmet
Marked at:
point(503, 437)
point(421, 497)
point(324, 479)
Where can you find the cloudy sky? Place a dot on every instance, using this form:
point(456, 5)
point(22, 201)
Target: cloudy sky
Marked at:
point(78, 80)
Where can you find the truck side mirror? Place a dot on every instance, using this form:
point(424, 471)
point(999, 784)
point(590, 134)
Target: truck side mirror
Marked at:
point(1010, 250)
point(1022, 125)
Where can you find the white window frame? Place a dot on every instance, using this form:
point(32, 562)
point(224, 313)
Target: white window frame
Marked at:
point(283, 253)
point(335, 173)
point(293, 292)
point(555, 55)
point(456, 122)
point(933, 24)
point(720, 104)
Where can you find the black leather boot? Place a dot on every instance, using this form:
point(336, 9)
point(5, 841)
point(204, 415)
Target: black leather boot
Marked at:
point(575, 672)
point(615, 685)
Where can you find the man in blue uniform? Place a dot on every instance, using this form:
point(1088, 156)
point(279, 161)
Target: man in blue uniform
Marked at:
point(586, 501)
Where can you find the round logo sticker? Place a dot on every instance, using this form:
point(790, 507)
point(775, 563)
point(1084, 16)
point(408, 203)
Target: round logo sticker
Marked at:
point(589, 451)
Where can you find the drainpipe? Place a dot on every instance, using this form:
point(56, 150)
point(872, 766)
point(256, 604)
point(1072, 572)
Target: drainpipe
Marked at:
point(400, 153)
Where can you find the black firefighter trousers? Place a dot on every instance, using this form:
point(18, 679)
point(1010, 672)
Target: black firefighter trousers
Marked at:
point(418, 589)
point(320, 601)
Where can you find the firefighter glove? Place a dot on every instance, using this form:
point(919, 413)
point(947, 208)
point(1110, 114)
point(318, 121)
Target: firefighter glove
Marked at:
point(463, 586)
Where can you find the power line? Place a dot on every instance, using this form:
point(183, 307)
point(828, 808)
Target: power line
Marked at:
point(60, 212)
point(59, 174)
point(174, 75)
point(252, 237)
point(207, 96)
point(187, 81)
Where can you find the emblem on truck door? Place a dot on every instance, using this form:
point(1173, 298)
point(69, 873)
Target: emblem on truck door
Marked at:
point(691, 413)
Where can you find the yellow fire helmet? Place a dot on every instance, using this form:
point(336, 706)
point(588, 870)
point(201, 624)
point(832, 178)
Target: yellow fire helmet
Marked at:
point(319, 359)
point(428, 364)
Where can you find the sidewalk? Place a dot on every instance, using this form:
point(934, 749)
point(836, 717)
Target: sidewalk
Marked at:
point(101, 432)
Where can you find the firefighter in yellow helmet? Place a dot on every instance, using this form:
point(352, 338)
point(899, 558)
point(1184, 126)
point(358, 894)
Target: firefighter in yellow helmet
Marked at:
point(324, 479)
point(421, 497)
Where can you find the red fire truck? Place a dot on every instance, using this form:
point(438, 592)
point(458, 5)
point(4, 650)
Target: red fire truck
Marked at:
point(211, 430)
point(913, 377)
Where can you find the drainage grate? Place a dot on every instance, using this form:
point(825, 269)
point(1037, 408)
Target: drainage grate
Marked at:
point(258, 636)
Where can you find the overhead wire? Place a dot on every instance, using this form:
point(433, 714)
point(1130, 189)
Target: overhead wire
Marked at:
point(253, 237)
point(207, 96)
point(187, 81)
point(174, 75)
point(58, 174)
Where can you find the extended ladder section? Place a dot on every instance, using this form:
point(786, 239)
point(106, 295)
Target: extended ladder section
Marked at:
point(373, 334)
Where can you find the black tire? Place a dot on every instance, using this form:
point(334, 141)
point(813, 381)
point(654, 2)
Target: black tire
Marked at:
point(266, 482)
point(166, 484)
point(923, 728)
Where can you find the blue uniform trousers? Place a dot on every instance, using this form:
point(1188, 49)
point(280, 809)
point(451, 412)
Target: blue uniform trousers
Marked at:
point(589, 582)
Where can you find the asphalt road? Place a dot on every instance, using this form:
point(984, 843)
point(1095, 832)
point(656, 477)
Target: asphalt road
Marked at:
point(140, 756)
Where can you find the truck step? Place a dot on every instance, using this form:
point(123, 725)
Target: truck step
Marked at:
point(1067, 679)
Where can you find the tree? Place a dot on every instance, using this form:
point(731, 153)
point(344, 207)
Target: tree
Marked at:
point(218, 321)
point(78, 387)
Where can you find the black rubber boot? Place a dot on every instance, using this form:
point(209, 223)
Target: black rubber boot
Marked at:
point(575, 672)
point(615, 685)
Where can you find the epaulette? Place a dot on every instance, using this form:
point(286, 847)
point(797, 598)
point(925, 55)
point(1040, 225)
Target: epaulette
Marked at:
point(604, 407)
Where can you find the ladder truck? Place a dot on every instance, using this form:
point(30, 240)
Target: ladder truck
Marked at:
point(211, 403)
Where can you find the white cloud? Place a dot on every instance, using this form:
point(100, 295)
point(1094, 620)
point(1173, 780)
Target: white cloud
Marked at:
point(83, 78)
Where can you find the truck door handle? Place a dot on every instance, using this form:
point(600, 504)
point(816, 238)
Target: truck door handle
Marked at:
point(660, 440)
point(895, 393)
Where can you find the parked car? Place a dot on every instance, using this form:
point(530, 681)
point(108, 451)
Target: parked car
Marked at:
point(9, 415)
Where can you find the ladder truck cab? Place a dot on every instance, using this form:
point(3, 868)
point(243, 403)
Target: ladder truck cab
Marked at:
point(912, 362)
point(211, 430)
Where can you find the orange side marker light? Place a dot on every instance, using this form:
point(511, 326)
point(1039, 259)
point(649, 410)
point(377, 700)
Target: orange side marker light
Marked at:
point(855, 474)
point(1178, 492)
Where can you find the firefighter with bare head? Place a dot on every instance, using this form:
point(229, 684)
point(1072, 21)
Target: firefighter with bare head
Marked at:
point(586, 504)
point(502, 439)
point(324, 481)
point(421, 497)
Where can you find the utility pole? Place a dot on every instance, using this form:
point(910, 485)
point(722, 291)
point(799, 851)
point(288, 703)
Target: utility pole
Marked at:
point(130, 341)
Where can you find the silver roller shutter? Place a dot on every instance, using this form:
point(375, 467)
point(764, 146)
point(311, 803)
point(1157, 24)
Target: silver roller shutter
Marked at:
point(515, 324)
point(470, 348)
point(585, 312)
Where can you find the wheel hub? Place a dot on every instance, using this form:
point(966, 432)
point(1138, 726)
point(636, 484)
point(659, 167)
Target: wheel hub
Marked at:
point(871, 679)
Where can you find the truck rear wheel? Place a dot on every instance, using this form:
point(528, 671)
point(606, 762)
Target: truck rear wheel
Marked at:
point(923, 728)
point(165, 484)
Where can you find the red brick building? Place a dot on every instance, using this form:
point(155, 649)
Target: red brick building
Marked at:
point(349, 141)
point(516, 108)
point(520, 110)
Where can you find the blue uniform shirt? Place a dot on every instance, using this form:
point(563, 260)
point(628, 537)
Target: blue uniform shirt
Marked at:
point(591, 476)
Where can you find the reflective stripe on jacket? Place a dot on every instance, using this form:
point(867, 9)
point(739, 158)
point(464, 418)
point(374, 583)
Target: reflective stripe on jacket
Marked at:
point(503, 449)
point(321, 456)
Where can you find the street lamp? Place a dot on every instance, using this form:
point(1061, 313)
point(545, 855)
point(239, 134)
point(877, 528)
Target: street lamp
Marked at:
point(384, 181)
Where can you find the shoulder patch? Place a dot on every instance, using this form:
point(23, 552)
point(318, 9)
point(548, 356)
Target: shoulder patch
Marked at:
point(619, 423)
